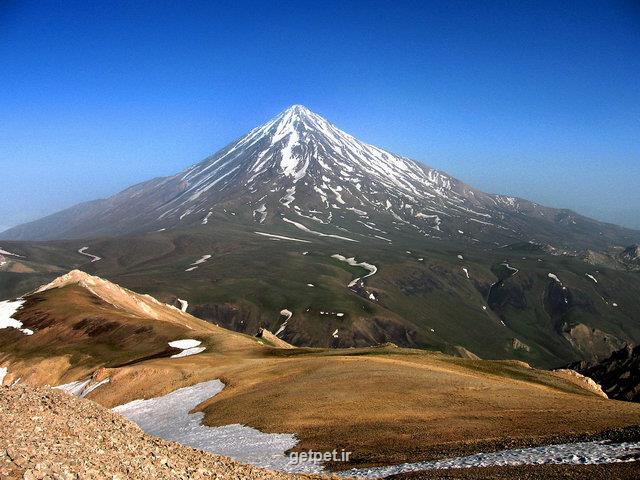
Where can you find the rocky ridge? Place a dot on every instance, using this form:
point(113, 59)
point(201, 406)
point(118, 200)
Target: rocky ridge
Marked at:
point(48, 434)
point(619, 374)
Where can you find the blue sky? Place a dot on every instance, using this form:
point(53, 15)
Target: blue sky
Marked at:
point(530, 98)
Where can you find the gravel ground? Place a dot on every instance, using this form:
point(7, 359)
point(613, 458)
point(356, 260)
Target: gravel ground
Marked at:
point(48, 434)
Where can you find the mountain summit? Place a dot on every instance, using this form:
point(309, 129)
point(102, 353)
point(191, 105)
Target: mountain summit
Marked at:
point(298, 173)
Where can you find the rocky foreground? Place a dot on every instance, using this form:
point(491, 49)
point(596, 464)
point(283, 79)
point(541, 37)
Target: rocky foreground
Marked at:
point(48, 434)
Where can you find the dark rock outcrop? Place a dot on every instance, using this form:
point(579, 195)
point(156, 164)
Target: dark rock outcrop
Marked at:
point(619, 375)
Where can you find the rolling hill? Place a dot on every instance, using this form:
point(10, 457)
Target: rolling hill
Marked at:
point(113, 346)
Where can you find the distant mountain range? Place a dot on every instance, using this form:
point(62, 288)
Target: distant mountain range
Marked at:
point(302, 174)
point(358, 247)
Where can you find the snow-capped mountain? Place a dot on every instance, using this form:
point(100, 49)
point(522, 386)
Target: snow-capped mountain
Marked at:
point(298, 173)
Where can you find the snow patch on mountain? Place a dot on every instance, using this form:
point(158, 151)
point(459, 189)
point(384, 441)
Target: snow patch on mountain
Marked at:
point(372, 269)
point(201, 260)
point(4, 252)
point(187, 352)
point(289, 197)
point(183, 305)
point(287, 314)
point(74, 388)
point(511, 269)
point(260, 213)
point(314, 232)
point(197, 263)
point(188, 346)
point(169, 417)
point(554, 277)
point(8, 309)
point(281, 237)
point(583, 453)
point(184, 344)
point(83, 251)
point(82, 388)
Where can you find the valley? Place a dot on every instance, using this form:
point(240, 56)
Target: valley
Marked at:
point(428, 298)
point(243, 234)
point(301, 290)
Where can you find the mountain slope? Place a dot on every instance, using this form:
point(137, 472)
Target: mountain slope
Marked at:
point(82, 324)
point(99, 339)
point(495, 302)
point(301, 174)
point(296, 214)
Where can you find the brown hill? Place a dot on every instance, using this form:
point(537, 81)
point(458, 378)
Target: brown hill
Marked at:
point(82, 323)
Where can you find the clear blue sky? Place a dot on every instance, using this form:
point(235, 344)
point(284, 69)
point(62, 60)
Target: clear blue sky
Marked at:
point(530, 98)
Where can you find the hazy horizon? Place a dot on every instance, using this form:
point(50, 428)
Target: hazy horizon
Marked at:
point(540, 101)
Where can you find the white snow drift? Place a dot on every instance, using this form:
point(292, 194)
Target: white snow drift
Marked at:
point(188, 346)
point(553, 276)
point(281, 237)
point(285, 313)
point(198, 262)
point(82, 388)
point(94, 258)
point(183, 305)
point(314, 232)
point(8, 309)
point(168, 417)
point(4, 252)
point(591, 277)
point(372, 269)
point(585, 453)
